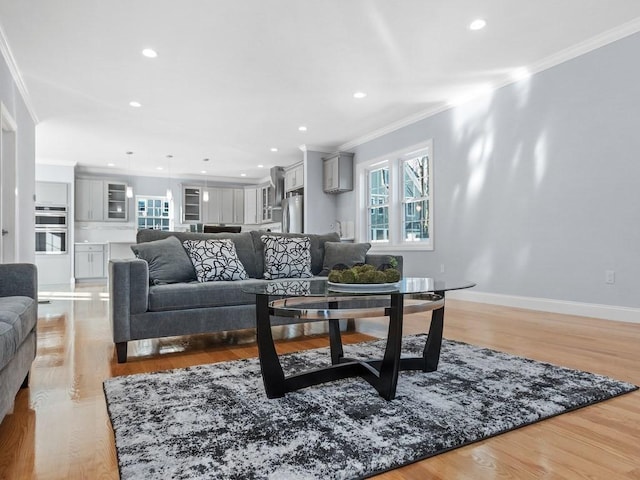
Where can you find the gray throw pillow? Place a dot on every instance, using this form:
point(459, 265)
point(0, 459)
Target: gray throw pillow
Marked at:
point(168, 261)
point(346, 253)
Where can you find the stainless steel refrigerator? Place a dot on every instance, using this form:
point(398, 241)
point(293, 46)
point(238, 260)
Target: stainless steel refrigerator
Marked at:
point(292, 214)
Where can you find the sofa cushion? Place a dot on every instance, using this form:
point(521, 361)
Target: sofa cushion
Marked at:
point(344, 253)
point(243, 241)
point(182, 296)
point(18, 316)
point(168, 261)
point(215, 260)
point(317, 248)
point(286, 257)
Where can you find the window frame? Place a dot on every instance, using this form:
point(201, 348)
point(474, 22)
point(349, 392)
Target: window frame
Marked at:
point(396, 162)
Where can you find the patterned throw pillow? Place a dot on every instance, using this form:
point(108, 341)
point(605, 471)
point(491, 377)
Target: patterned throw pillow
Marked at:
point(215, 260)
point(286, 257)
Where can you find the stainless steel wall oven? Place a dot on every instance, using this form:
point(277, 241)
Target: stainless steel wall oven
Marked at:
point(51, 229)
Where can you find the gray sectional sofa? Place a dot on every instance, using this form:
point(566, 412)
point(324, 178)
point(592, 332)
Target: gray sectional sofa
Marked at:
point(140, 309)
point(18, 319)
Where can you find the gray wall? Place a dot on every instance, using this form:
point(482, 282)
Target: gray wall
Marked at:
point(536, 188)
point(25, 147)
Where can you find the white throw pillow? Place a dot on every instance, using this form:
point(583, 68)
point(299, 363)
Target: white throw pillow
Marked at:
point(286, 257)
point(215, 260)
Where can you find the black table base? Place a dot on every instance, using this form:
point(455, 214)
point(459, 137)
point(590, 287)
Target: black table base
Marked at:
point(382, 374)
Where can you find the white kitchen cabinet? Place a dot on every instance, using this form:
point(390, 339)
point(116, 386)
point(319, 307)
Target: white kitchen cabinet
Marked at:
point(212, 207)
point(191, 204)
point(89, 260)
point(338, 173)
point(251, 205)
point(294, 178)
point(90, 200)
point(100, 200)
point(226, 205)
point(52, 193)
point(265, 204)
point(238, 206)
point(117, 206)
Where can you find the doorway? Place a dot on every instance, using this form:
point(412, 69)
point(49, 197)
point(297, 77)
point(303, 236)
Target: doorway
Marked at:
point(8, 184)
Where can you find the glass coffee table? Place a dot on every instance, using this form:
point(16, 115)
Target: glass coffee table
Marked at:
point(307, 300)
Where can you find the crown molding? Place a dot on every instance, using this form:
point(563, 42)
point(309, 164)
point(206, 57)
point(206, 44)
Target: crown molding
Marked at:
point(593, 43)
point(6, 53)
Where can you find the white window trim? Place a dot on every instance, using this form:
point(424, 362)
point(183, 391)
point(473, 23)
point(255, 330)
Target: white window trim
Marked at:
point(394, 160)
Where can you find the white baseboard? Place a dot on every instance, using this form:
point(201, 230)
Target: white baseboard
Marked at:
point(606, 312)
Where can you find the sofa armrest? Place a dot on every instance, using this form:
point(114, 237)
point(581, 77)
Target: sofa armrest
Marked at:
point(19, 279)
point(128, 294)
point(378, 259)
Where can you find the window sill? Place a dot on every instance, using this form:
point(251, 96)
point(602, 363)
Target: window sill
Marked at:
point(405, 247)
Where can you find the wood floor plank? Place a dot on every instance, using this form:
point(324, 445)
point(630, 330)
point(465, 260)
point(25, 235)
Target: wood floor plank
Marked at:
point(60, 428)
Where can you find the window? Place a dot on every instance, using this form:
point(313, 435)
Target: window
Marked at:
point(379, 204)
point(396, 199)
point(153, 212)
point(415, 201)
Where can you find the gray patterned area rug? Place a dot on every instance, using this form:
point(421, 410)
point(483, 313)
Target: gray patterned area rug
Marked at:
point(215, 421)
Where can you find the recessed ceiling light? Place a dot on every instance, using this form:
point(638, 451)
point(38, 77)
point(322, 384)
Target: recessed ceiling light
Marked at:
point(243, 174)
point(159, 168)
point(302, 128)
point(274, 149)
point(110, 165)
point(149, 53)
point(203, 171)
point(359, 95)
point(135, 104)
point(478, 24)
point(260, 166)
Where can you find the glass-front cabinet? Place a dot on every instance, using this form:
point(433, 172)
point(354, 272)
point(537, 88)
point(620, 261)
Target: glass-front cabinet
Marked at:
point(116, 201)
point(266, 204)
point(191, 204)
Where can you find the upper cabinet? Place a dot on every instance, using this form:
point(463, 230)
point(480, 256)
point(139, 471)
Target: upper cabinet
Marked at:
point(223, 205)
point(338, 172)
point(251, 205)
point(265, 204)
point(90, 204)
point(116, 201)
point(294, 178)
point(191, 204)
point(52, 193)
point(99, 201)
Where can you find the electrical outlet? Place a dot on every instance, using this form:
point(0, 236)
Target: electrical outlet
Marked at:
point(609, 277)
point(442, 268)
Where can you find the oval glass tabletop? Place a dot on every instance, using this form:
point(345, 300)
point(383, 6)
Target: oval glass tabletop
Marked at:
point(316, 287)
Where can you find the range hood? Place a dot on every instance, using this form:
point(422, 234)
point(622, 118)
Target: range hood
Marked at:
point(277, 182)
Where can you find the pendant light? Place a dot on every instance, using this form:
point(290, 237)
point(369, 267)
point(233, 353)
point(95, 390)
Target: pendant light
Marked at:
point(169, 194)
point(129, 187)
point(205, 194)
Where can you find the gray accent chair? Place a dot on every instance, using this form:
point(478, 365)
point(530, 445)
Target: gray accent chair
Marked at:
point(18, 320)
point(139, 310)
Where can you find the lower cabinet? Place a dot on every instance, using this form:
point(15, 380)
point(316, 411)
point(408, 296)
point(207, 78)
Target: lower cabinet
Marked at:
point(89, 260)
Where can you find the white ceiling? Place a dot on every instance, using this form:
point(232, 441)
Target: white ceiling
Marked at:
point(235, 78)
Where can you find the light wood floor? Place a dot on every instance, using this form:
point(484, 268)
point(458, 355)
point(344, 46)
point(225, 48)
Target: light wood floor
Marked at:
point(60, 428)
